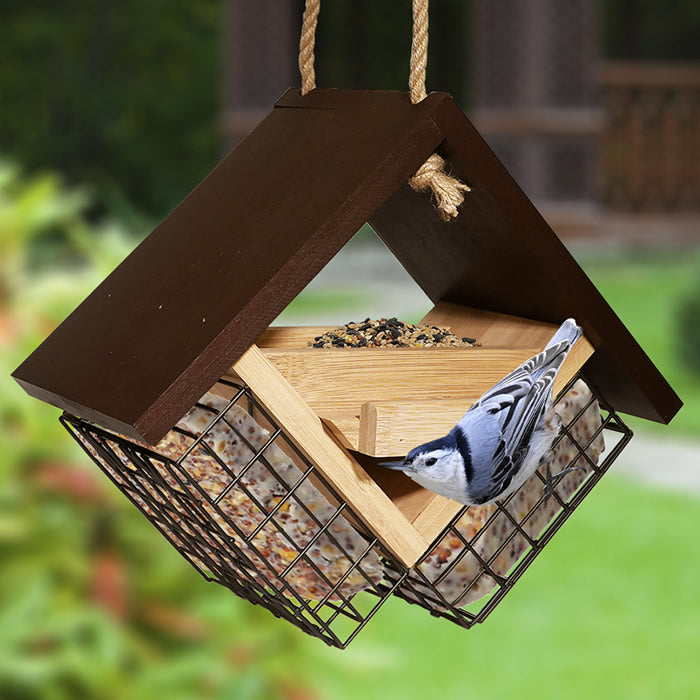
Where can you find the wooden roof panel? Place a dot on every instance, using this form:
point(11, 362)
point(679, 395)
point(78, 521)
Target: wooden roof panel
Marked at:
point(210, 278)
point(186, 304)
point(499, 254)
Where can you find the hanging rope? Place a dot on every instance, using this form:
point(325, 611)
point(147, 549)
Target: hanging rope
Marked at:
point(306, 45)
point(419, 51)
point(447, 191)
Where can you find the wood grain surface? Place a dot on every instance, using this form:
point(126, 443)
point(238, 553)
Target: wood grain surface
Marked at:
point(506, 331)
point(344, 379)
point(305, 430)
point(500, 255)
point(194, 296)
point(167, 323)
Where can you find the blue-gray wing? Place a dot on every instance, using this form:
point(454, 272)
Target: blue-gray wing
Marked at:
point(508, 414)
point(516, 407)
point(518, 421)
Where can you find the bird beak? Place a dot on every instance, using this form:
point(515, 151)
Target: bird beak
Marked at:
point(400, 465)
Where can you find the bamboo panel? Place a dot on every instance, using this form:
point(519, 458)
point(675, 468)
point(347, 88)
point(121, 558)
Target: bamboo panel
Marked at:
point(392, 428)
point(345, 426)
point(305, 429)
point(344, 379)
point(438, 511)
point(501, 330)
point(290, 336)
point(428, 512)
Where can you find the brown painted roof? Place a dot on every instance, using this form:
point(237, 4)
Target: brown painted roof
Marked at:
point(181, 309)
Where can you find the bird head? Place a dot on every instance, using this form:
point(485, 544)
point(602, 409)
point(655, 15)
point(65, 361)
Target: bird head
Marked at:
point(436, 465)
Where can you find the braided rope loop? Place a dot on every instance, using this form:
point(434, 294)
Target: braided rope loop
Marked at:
point(447, 191)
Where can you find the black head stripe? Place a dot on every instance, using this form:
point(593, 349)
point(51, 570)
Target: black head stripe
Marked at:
point(463, 447)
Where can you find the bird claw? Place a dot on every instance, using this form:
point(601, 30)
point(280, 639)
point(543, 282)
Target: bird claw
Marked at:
point(549, 482)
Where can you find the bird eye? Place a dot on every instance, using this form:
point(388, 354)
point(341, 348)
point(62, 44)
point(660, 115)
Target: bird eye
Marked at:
point(430, 462)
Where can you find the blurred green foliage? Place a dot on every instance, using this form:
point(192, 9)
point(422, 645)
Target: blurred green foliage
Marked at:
point(688, 326)
point(644, 288)
point(126, 95)
point(122, 94)
point(44, 228)
point(93, 603)
point(367, 44)
point(609, 610)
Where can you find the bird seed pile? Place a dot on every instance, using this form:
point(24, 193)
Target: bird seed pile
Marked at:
point(388, 332)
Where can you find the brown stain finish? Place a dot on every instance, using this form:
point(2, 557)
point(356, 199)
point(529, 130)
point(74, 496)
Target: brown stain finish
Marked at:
point(168, 322)
point(190, 300)
point(500, 255)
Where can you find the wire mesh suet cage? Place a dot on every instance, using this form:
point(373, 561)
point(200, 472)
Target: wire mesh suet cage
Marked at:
point(266, 480)
point(248, 510)
point(485, 550)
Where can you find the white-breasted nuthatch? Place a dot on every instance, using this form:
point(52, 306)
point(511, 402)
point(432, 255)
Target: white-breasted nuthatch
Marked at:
point(499, 441)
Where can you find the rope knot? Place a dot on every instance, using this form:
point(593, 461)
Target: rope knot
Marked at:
point(447, 190)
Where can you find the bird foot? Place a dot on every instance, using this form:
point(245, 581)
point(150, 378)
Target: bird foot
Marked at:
point(549, 482)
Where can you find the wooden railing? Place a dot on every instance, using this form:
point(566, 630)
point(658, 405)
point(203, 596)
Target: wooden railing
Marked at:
point(650, 139)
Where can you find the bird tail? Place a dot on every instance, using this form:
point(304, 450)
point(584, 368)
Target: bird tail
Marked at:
point(554, 354)
point(569, 330)
point(540, 370)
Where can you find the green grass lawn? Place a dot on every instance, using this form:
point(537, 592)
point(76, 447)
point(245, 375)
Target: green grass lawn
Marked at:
point(644, 291)
point(610, 609)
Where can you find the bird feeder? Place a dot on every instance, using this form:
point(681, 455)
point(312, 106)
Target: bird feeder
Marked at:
point(255, 454)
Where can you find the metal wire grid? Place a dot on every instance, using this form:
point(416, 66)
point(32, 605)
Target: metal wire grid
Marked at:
point(232, 537)
point(422, 589)
point(228, 550)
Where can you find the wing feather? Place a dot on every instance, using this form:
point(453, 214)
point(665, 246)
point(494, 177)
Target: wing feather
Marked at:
point(518, 403)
